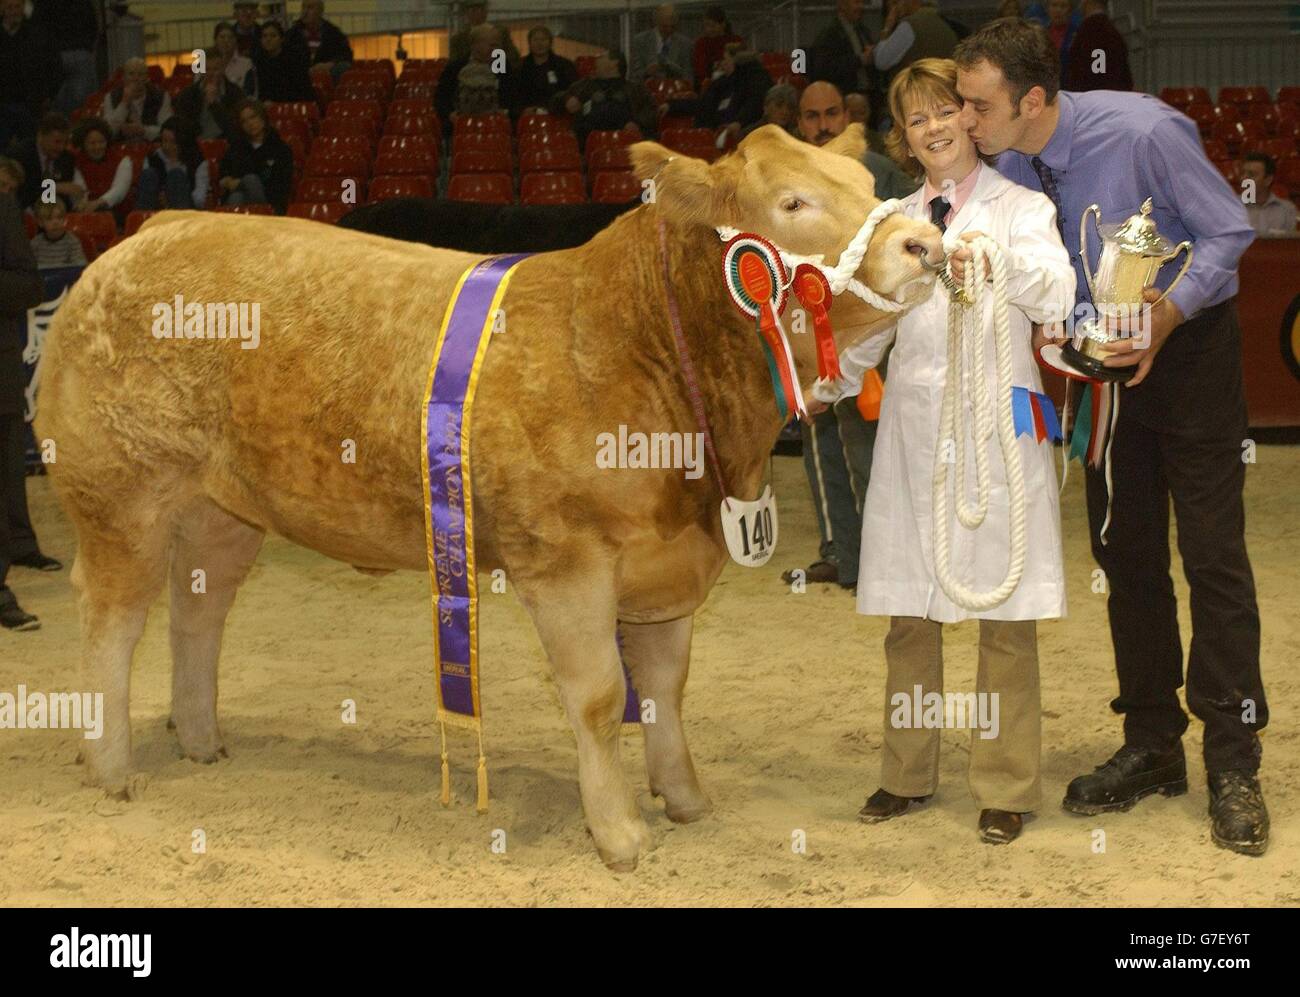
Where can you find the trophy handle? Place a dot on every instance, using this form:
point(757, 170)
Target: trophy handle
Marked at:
point(1091, 209)
point(1187, 262)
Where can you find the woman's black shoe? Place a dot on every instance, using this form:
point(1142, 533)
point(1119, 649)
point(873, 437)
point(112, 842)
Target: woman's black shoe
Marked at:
point(12, 616)
point(882, 805)
point(39, 561)
point(1131, 774)
point(1000, 827)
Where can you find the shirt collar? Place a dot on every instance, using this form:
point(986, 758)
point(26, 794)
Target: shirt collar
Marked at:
point(1056, 153)
point(961, 192)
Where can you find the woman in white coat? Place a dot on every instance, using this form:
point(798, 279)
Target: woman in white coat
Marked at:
point(897, 575)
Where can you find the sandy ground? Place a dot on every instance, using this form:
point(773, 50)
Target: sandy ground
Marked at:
point(783, 713)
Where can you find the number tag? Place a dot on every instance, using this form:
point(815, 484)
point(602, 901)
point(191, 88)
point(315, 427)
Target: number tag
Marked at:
point(750, 529)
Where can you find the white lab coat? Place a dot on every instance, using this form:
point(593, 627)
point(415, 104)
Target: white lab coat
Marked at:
point(897, 576)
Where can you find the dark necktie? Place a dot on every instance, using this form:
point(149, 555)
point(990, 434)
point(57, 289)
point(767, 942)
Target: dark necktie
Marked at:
point(1048, 180)
point(938, 211)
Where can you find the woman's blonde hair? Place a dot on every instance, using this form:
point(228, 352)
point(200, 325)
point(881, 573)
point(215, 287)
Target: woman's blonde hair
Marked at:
point(925, 83)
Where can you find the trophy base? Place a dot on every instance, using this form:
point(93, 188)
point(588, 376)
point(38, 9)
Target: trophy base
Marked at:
point(1094, 368)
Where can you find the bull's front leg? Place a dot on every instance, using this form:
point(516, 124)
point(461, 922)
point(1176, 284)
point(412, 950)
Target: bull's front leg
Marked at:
point(658, 656)
point(576, 622)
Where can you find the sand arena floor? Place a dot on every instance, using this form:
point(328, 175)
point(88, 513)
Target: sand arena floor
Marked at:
point(783, 713)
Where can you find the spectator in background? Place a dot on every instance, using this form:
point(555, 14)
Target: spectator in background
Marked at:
point(11, 176)
point(210, 101)
point(74, 28)
point(858, 108)
point(248, 33)
point(661, 52)
point(476, 12)
point(239, 68)
point(470, 86)
point(1011, 8)
point(47, 157)
point(780, 108)
point(135, 107)
point(21, 288)
point(822, 116)
point(608, 101)
point(734, 100)
point(841, 53)
point(108, 174)
point(281, 70)
point(913, 30)
point(543, 74)
point(30, 73)
point(54, 246)
point(712, 44)
point(326, 45)
point(1098, 58)
point(1270, 215)
point(175, 170)
point(258, 166)
point(1061, 22)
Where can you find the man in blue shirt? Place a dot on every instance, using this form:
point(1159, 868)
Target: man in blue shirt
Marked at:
point(1180, 428)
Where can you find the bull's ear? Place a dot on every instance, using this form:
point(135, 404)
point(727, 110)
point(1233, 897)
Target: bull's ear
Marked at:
point(685, 188)
point(851, 142)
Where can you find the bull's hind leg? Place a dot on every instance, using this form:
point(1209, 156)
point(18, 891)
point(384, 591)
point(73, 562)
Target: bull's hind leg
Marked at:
point(576, 623)
point(658, 655)
point(209, 540)
point(120, 566)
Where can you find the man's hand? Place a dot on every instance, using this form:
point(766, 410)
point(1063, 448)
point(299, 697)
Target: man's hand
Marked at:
point(573, 105)
point(1145, 335)
point(963, 255)
point(1050, 333)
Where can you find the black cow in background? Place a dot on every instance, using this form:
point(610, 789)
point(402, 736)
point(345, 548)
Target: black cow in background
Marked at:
point(485, 228)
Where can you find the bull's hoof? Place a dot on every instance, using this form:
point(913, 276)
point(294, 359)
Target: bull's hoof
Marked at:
point(621, 848)
point(200, 741)
point(208, 756)
point(690, 812)
point(123, 789)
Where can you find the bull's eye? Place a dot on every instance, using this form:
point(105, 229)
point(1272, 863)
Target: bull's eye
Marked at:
point(792, 204)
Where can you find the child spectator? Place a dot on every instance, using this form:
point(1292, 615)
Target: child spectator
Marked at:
point(135, 107)
point(54, 246)
point(175, 170)
point(281, 68)
point(108, 174)
point(258, 166)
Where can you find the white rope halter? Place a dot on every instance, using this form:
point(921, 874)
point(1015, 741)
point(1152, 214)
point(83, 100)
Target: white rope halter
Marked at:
point(840, 276)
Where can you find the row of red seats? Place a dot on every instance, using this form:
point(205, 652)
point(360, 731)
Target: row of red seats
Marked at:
point(1187, 96)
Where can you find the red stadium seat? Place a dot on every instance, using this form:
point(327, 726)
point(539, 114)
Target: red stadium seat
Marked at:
point(88, 246)
point(1203, 115)
point(702, 150)
point(547, 160)
point(346, 127)
point(1288, 175)
point(485, 188)
point(552, 188)
point(325, 211)
point(385, 188)
point(407, 89)
point(422, 143)
point(608, 158)
point(295, 128)
point(585, 65)
point(466, 123)
point(134, 220)
point(412, 124)
point(407, 162)
point(322, 85)
point(615, 187)
point(29, 226)
point(1230, 169)
point(1263, 114)
point(482, 142)
point(322, 163)
point(384, 66)
point(99, 226)
point(370, 110)
point(481, 161)
point(338, 145)
point(370, 89)
point(1183, 97)
point(1244, 95)
point(325, 189)
point(307, 110)
point(1215, 149)
point(244, 209)
point(610, 139)
point(410, 105)
point(675, 122)
point(183, 68)
point(1288, 95)
point(1239, 134)
point(551, 139)
point(1228, 112)
point(214, 147)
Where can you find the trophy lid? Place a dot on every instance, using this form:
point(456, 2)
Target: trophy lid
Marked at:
point(1139, 235)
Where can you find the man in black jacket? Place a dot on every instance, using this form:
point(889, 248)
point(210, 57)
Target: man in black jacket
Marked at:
point(258, 166)
point(47, 157)
point(542, 74)
point(281, 68)
point(209, 102)
point(30, 73)
point(841, 54)
point(324, 42)
point(74, 28)
point(21, 288)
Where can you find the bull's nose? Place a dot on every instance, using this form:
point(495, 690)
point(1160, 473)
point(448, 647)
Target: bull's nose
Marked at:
point(929, 255)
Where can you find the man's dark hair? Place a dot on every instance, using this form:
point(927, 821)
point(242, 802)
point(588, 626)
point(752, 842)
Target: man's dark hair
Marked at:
point(53, 122)
point(1023, 52)
point(87, 125)
point(1263, 158)
point(621, 59)
point(274, 26)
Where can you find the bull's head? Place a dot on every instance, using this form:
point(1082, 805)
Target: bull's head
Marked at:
point(807, 200)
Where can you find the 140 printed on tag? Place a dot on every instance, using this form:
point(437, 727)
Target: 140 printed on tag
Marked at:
point(750, 528)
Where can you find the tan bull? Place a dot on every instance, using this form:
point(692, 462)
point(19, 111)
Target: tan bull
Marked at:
point(177, 455)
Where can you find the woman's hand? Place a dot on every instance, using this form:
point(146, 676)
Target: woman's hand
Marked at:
point(963, 255)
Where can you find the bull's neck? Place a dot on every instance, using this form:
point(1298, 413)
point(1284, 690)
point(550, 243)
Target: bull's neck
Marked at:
point(725, 351)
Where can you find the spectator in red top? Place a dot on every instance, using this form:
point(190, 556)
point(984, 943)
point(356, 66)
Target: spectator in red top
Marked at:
point(1098, 56)
point(326, 45)
point(712, 44)
point(108, 173)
